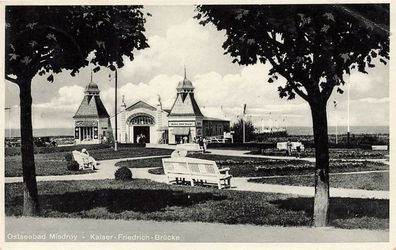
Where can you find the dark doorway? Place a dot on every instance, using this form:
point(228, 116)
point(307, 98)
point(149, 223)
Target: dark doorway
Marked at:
point(139, 131)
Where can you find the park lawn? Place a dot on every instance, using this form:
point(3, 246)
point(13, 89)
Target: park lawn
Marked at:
point(147, 200)
point(55, 163)
point(367, 181)
point(334, 153)
point(257, 167)
point(13, 168)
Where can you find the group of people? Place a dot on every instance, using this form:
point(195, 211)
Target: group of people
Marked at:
point(290, 146)
point(203, 143)
point(141, 139)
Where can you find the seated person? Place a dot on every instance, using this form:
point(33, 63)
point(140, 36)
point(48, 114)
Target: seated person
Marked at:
point(91, 160)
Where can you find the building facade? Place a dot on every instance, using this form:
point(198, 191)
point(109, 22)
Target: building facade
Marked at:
point(141, 120)
point(91, 121)
point(183, 123)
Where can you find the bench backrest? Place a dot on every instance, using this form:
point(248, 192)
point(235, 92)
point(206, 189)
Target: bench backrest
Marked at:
point(192, 166)
point(174, 167)
point(188, 147)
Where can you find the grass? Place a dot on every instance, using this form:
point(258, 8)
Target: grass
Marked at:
point(146, 200)
point(55, 163)
point(335, 153)
point(13, 168)
point(367, 181)
point(256, 167)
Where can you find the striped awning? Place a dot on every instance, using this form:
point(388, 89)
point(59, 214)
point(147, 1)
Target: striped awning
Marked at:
point(181, 131)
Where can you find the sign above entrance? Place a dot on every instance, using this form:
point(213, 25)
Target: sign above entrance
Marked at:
point(181, 124)
point(86, 123)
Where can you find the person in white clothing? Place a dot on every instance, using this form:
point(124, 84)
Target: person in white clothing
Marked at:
point(91, 160)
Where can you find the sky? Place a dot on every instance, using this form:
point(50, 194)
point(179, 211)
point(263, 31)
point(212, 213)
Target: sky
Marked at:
point(221, 87)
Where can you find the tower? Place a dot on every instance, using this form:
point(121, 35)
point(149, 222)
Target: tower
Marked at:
point(185, 117)
point(91, 119)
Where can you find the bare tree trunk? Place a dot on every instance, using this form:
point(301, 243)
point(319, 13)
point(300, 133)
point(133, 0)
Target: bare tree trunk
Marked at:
point(321, 201)
point(30, 194)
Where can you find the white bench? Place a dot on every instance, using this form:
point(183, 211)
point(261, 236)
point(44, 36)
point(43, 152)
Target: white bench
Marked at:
point(189, 147)
point(196, 171)
point(379, 147)
point(82, 161)
point(283, 146)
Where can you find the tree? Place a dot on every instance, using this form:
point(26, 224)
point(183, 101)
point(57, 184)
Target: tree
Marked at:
point(312, 47)
point(238, 129)
point(49, 39)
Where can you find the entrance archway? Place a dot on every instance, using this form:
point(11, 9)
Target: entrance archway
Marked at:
point(140, 124)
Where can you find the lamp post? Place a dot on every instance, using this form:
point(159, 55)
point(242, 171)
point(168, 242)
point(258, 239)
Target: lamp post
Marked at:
point(243, 124)
point(336, 126)
point(115, 109)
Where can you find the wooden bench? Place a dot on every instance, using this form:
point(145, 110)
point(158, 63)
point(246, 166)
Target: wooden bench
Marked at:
point(82, 161)
point(196, 171)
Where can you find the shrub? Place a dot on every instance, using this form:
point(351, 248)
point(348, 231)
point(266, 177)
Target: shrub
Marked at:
point(123, 173)
point(69, 157)
point(73, 166)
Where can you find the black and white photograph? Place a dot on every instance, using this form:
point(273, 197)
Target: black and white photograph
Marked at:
point(197, 123)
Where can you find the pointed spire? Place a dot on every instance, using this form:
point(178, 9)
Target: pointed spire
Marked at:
point(91, 74)
point(185, 74)
point(123, 104)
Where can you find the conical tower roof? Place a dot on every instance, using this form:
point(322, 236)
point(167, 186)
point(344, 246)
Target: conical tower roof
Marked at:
point(185, 103)
point(91, 105)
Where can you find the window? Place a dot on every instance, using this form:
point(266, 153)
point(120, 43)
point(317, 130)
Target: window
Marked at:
point(142, 120)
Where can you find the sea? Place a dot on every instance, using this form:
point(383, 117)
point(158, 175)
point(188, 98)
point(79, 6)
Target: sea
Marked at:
point(293, 130)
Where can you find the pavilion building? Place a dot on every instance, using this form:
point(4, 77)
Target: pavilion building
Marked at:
point(183, 123)
point(91, 121)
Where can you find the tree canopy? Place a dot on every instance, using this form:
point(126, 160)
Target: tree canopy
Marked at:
point(238, 131)
point(311, 46)
point(49, 39)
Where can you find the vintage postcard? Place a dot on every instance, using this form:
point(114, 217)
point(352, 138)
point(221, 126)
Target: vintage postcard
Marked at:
point(197, 122)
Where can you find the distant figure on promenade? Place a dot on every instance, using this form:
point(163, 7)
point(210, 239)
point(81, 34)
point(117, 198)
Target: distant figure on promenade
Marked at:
point(200, 143)
point(205, 144)
point(298, 149)
point(138, 139)
point(289, 147)
point(91, 160)
point(185, 139)
point(142, 139)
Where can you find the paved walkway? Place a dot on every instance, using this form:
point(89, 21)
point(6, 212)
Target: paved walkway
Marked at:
point(242, 184)
point(152, 231)
point(105, 170)
point(107, 167)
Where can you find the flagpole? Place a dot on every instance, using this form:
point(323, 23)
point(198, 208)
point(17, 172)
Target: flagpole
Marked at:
point(243, 127)
point(243, 124)
point(9, 118)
